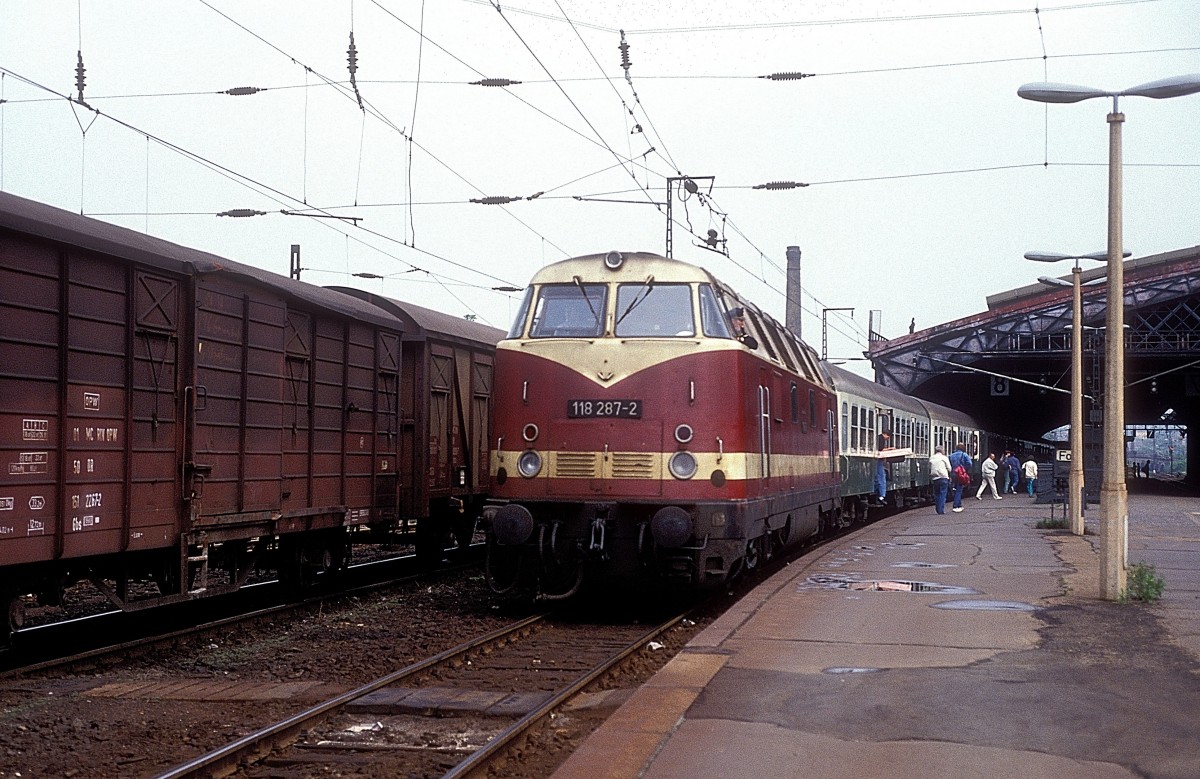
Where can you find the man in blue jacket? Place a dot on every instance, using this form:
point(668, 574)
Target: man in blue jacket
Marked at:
point(1014, 470)
point(959, 457)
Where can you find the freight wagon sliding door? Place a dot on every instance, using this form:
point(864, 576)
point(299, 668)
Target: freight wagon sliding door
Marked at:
point(239, 406)
point(355, 424)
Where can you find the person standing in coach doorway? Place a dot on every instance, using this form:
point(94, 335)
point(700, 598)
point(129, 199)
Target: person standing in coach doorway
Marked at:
point(939, 477)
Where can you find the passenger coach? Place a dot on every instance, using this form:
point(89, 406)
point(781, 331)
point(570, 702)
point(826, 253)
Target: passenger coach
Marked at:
point(635, 437)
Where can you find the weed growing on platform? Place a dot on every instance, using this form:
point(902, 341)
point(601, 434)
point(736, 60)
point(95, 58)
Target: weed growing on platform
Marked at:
point(1143, 583)
point(1052, 524)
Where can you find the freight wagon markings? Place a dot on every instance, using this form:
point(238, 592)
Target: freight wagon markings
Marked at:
point(29, 463)
point(6, 504)
point(35, 430)
point(91, 401)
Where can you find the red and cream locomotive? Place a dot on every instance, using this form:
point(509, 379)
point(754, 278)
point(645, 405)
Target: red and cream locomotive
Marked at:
point(641, 432)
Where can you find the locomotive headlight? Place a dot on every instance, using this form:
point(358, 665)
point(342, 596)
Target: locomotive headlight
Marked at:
point(529, 463)
point(683, 434)
point(682, 465)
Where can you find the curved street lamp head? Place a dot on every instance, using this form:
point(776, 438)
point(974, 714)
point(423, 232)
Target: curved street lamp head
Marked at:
point(1053, 282)
point(1175, 86)
point(1050, 92)
point(1058, 257)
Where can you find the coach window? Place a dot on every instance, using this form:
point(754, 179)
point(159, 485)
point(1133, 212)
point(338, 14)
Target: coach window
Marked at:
point(650, 310)
point(854, 428)
point(845, 426)
point(569, 311)
point(711, 322)
point(518, 325)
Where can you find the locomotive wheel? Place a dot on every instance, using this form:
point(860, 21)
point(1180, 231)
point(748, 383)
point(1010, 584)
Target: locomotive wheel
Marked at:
point(750, 558)
point(502, 567)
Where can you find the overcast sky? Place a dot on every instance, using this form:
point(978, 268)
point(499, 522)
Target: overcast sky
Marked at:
point(928, 176)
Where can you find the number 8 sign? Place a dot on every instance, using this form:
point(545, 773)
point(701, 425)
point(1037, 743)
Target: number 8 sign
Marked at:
point(999, 386)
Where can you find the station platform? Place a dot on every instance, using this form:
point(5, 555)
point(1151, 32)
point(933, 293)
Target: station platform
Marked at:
point(960, 645)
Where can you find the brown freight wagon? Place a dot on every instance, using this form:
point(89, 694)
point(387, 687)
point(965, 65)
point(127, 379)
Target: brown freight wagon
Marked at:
point(172, 416)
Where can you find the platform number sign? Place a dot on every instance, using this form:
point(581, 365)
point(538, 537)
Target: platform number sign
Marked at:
point(999, 387)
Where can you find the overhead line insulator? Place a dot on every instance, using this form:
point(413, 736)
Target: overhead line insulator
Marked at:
point(793, 76)
point(238, 91)
point(780, 185)
point(495, 200)
point(495, 82)
point(80, 81)
point(242, 212)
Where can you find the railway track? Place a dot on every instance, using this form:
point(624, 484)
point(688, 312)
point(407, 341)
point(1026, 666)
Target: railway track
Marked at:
point(92, 639)
point(448, 714)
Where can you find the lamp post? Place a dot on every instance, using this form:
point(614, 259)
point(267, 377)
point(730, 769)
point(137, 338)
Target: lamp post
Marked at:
point(1114, 498)
point(1075, 486)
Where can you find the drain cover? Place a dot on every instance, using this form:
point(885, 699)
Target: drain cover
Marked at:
point(985, 605)
point(844, 583)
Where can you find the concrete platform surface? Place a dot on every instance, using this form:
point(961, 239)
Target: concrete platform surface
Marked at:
point(960, 645)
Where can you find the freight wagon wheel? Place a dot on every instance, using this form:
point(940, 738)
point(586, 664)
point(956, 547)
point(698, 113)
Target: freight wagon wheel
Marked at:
point(16, 618)
point(463, 530)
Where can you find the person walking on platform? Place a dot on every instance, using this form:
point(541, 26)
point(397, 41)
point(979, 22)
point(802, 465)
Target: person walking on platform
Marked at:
point(989, 478)
point(1030, 476)
point(960, 458)
point(1014, 472)
point(1002, 471)
point(939, 477)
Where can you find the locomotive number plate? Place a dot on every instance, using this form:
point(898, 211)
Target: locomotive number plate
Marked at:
point(627, 409)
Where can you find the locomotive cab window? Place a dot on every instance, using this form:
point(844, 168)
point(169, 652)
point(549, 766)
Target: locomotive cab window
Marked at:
point(518, 325)
point(711, 320)
point(652, 310)
point(569, 311)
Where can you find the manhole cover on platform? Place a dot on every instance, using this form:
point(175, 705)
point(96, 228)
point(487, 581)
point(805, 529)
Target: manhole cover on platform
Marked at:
point(876, 585)
point(985, 605)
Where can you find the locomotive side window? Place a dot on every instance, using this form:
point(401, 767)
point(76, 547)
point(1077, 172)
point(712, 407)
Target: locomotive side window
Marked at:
point(518, 325)
point(712, 323)
point(758, 326)
point(654, 311)
point(569, 311)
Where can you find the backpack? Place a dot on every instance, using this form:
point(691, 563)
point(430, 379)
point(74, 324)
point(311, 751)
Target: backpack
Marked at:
point(961, 476)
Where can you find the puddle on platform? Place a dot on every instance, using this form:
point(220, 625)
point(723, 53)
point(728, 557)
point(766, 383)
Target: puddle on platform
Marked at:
point(875, 585)
point(923, 565)
point(985, 605)
point(894, 544)
point(851, 670)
